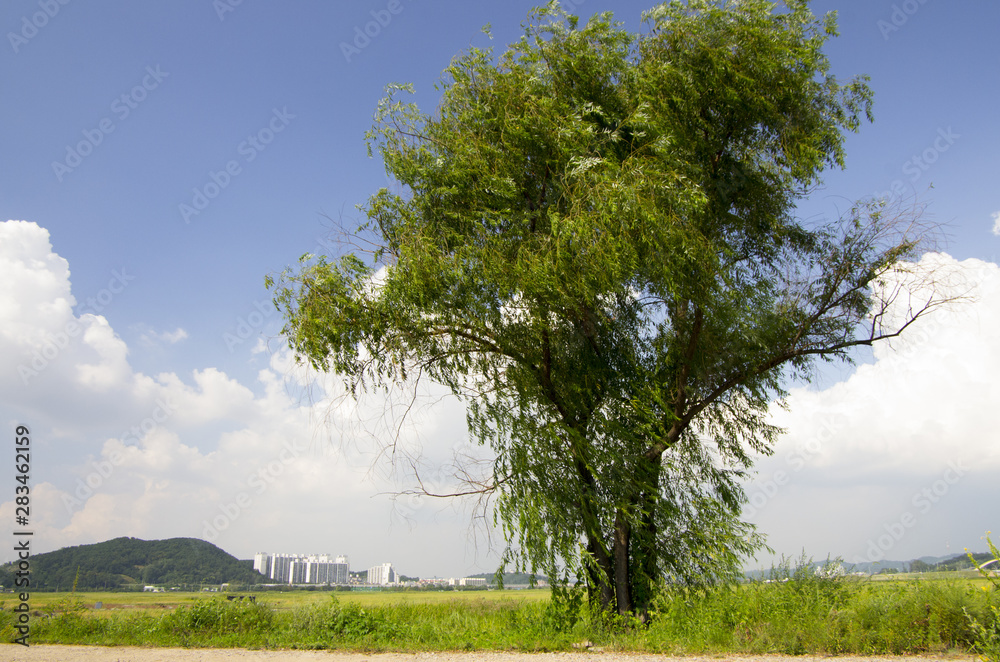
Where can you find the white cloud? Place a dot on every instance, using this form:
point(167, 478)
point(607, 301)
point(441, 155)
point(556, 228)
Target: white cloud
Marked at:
point(151, 338)
point(996, 223)
point(120, 453)
point(858, 455)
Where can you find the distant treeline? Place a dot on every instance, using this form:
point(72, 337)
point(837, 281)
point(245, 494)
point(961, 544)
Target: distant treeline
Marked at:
point(512, 578)
point(960, 562)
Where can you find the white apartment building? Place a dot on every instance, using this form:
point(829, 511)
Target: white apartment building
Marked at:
point(382, 575)
point(302, 568)
point(262, 563)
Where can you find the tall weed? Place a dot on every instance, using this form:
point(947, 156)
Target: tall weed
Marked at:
point(986, 627)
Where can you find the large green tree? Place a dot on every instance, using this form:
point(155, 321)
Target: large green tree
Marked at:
point(594, 242)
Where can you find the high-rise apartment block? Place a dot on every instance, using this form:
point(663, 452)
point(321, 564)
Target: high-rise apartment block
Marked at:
point(302, 569)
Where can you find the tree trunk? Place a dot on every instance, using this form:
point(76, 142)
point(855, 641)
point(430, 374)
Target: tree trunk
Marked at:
point(623, 574)
point(645, 545)
point(599, 578)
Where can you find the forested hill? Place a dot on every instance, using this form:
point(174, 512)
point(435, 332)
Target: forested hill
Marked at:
point(122, 562)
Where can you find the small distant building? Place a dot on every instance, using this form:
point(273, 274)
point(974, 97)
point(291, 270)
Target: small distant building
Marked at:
point(382, 575)
point(472, 581)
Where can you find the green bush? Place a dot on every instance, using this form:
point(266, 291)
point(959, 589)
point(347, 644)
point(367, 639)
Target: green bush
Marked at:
point(220, 616)
point(986, 626)
point(332, 624)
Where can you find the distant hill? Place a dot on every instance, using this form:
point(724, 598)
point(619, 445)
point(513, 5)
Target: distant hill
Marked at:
point(923, 564)
point(960, 562)
point(117, 563)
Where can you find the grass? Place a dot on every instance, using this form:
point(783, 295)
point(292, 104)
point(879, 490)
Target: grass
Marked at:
point(278, 600)
point(804, 613)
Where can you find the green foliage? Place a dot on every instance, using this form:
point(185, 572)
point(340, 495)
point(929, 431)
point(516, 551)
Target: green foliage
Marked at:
point(566, 606)
point(220, 616)
point(124, 561)
point(327, 625)
point(594, 243)
point(220, 622)
point(987, 626)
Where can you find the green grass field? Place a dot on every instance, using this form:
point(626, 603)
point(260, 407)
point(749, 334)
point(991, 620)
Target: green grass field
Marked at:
point(277, 600)
point(804, 614)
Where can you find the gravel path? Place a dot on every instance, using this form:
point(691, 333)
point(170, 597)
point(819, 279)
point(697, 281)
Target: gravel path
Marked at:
point(48, 653)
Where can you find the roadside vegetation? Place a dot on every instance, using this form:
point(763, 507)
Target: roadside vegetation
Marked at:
point(795, 611)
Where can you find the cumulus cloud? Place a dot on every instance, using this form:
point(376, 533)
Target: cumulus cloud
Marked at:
point(917, 415)
point(250, 467)
point(996, 223)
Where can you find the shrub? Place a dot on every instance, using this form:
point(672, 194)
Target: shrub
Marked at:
point(220, 616)
point(987, 628)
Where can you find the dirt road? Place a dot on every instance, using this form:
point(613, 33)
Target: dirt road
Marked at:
point(46, 653)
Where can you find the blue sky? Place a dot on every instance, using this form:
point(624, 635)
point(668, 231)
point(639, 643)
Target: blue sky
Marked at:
point(118, 114)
